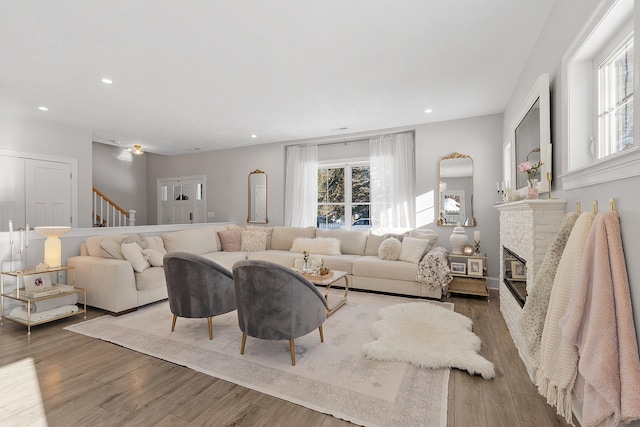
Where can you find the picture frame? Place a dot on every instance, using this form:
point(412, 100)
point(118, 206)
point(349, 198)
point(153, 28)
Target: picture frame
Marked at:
point(475, 267)
point(33, 282)
point(518, 271)
point(459, 268)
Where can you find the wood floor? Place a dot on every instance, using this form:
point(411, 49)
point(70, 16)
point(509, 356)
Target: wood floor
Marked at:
point(88, 382)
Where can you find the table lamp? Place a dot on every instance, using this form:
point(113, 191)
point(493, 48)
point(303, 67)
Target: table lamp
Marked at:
point(53, 245)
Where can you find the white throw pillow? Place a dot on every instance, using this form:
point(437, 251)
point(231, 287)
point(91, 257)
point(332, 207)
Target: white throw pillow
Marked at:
point(425, 234)
point(155, 242)
point(253, 241)
point(413, 249)
point(133, 253)
point(155, 257)
point(390, 249)
point(319, 245)
point(112, 248)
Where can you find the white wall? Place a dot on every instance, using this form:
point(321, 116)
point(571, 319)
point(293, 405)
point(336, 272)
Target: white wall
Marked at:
point(565, 21)
point(122, 177)
point(227, 172)
point(41, 136)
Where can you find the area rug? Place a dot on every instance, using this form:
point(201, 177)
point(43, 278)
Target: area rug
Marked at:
point(429, 336)
point(333, 377)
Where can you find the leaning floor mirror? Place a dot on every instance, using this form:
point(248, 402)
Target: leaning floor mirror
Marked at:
point(257, 211)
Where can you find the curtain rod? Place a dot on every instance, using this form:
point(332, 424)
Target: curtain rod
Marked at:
point(361, 139)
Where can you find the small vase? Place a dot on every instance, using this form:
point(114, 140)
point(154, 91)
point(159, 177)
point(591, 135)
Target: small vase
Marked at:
point(458, 239)
point(532, 189)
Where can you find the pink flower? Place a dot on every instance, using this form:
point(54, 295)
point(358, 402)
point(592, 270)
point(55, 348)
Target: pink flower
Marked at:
point(525, 166)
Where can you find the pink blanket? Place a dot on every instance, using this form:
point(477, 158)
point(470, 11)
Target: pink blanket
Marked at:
point(599, 321)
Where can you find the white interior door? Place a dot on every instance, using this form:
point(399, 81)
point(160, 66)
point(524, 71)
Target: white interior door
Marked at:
point(48, 192)
point(181, 200)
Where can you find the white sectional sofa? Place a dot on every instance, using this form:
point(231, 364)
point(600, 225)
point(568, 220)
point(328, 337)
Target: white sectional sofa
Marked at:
point(113, 284)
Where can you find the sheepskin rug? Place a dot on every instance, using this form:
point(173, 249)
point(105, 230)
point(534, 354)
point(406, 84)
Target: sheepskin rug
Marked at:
point(429, 336)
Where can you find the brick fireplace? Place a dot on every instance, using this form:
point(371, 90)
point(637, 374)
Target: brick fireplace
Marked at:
point(527, 228)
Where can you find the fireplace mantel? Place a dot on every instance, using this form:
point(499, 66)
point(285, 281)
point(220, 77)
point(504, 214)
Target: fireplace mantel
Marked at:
point(527, 228)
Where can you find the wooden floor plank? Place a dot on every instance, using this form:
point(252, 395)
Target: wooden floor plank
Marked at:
point(85, 381)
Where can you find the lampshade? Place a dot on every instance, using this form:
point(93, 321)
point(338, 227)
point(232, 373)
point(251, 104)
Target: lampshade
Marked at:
point(137, 149)
point(53, 245)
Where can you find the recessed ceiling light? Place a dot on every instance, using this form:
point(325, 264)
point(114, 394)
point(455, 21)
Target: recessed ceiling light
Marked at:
point(107, 81)
point(254, 135)
point(43, 108)
point(428, 110)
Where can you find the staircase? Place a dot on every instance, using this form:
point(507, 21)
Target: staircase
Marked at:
point(106, 213)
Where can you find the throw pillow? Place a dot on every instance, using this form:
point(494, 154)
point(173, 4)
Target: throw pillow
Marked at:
point(112, 248)
point(253, 241)
point(268, 230)
point(319, 245)
point(427, 235)
point(395, 236)
point(133, 253)
point(155, 257)
point(413, 249)
point(155, 242)
point(137, 238)
point(390, 249)
point(231, 240)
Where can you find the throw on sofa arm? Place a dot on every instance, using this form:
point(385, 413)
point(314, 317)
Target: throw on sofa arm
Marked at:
point(110, 283)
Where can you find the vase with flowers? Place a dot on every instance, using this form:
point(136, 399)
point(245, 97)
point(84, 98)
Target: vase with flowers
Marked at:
point(305, 257)
point(531, 170)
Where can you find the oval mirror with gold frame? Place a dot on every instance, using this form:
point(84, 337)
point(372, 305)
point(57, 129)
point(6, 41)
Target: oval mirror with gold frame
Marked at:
point(257, 198)
point(455, 191)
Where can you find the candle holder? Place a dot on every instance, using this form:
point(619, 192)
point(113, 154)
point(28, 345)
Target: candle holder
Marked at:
point(24, 244)
point(477, 247)
point(549, 180)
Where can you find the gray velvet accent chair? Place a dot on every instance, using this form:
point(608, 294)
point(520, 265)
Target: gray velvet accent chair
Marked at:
point(276, 303)
point(197, 287)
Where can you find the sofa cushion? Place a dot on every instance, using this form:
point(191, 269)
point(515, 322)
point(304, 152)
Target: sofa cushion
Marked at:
point(351, 241)
point(94, 248)
point(231, 239)
point(426, 234)
point(413, 249)
point(154, 257)
point(156, 243)
point(226, 259)
point(373, 243)
point(111, 248)
point(137, 238)
point(283, 237)
point(339, 262)
point(318, 245)
point(150, 278)
point(370, 266)
point(253, 241)
point(284, 258)
point(197, 241)
point(133, 253)
point(390, 249)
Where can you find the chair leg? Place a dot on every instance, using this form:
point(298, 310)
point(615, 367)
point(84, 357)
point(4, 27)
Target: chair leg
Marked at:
point(321, 334)
point(244, 341)
point(292, 350)
point(173, 322)
point(209, 322)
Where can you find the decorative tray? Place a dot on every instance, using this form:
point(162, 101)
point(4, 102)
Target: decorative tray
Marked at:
point(317, 276)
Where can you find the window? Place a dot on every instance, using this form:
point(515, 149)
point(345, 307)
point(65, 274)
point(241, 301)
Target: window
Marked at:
point(598, 78)
point(343, 196)
point(615, 100)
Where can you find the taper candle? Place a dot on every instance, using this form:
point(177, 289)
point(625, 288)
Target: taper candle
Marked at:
point(10, 231)
point(476, 235)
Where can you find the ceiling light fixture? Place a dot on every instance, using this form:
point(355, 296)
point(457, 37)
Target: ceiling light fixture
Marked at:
point(254, 136)
point(107, 81)
point(43, 108)
point(428, 110)
point(137, 150)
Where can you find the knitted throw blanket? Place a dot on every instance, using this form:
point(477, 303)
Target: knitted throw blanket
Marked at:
point(558, 357)
point(599, 321)
point(534, 312)
point(433, 269)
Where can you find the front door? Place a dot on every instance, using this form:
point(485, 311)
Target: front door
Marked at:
point(181, 200)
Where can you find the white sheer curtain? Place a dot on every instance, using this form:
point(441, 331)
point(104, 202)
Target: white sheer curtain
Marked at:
point(392, 166)
point(301, 186)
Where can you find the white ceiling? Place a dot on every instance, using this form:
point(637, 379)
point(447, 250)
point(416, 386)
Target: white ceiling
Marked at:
point(205, 74)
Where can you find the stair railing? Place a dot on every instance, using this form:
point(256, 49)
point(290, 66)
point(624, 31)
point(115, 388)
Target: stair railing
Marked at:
point(106, 213)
